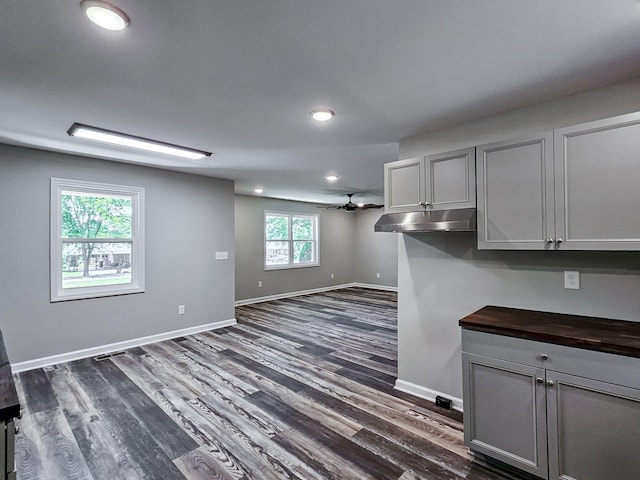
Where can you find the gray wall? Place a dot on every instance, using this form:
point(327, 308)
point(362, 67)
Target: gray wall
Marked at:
point(443, 277)
point(188, 217)
point(374, 252)
point(342, 234)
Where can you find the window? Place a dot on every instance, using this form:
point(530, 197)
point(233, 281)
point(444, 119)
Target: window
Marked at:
point(291, 240)
point(97, 240)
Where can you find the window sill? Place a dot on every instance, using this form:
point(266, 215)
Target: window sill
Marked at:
point(290, 266)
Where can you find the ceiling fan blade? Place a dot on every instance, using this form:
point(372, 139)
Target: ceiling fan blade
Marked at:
point(370, 205)
point(332, 207)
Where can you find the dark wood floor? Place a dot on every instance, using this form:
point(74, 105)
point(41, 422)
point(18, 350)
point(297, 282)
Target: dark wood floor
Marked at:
point(300, 388)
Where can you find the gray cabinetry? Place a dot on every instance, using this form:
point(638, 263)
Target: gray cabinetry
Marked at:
point(597, 183)
point(433, 182)
point(505, 412)
point(571, 189)
point(553, 411)
point(515, 193)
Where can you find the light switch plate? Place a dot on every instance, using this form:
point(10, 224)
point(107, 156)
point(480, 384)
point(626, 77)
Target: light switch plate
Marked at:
point(222, 255)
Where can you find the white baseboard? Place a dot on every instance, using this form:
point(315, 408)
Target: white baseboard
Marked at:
point(279, 296)
point(375, 287)
point(427, 393)
point(113, 347)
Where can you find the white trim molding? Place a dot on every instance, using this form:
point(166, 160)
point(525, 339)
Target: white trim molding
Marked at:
point(114, 347)
point(427, 393)
point(279, 296)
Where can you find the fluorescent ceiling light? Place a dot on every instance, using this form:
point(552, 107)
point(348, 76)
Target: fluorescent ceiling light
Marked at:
point(331, 178)
point(322, 114)
point(122, 139)
point(105, 15)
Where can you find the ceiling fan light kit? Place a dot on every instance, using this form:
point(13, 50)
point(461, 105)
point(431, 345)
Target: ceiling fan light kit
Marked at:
point(352, 207)
point(105, 15)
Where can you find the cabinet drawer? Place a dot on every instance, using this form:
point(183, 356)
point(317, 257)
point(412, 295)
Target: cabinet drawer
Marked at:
point(606, 367)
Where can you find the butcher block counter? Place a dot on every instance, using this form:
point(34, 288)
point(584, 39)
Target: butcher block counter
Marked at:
point(553, 395)
point(592, 333)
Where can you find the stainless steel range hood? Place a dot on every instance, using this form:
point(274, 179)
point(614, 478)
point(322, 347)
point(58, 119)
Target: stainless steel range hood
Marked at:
point(459, 220)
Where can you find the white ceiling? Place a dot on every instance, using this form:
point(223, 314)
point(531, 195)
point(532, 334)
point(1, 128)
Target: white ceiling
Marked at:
point(239, 78)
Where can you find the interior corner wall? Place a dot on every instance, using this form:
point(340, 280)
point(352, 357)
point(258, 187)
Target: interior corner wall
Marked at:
point(443, 277)
point(374, 252)
point(187, 217)
point(336, 229)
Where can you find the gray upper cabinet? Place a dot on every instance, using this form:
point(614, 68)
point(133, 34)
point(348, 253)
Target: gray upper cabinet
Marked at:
point(515, 193)
point(597, 171)
point(571, 189)
point(434, 182)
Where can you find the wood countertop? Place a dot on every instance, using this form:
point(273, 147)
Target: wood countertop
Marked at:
point(592, 333)
point(9, 404)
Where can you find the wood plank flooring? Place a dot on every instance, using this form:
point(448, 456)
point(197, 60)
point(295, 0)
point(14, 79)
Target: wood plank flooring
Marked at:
point(301, 388)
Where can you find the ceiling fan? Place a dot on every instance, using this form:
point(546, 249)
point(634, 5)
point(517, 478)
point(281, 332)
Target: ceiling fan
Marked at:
point(352, 207)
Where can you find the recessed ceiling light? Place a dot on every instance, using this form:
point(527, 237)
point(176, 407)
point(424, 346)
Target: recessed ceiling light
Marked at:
point(322, 114)
point(258, 190)
point(125, 140)
point(105, 15)
point(331, 178)
point(360, 204)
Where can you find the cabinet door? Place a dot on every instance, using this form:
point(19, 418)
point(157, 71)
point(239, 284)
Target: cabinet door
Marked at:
point(504, 412)
point(451, 179)
point(404, 185)
point(515, 194)
point(598, 184)
point(593, 429)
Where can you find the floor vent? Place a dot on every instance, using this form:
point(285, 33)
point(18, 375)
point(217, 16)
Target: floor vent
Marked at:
point(106, 356)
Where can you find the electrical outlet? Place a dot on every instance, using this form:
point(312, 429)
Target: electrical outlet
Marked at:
point(259, 283)
point(180, 309)
point(378, 275)
point(332, 275)
point(572, 280)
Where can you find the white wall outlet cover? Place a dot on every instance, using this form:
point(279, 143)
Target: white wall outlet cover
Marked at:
point(259, 283)
point(222, 255)
point(572, 280)
point(180, 309)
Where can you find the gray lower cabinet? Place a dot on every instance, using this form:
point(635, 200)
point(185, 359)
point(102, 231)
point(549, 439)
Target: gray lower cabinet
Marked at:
point(575, 188)
point(433, 182)
point(552, 411)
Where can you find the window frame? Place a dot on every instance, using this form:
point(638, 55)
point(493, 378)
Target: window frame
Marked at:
point(137, 284)
point(290, 240)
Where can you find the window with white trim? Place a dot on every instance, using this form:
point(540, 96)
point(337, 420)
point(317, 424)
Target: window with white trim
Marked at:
point(291, 240)
point(97, 239)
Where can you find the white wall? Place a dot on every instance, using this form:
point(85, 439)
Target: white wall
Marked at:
point(188, 217)
point(443, 277)
point(349, 248)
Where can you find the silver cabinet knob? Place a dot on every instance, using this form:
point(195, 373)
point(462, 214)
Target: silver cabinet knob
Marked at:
point(558, 240)
point(549, 240)
point(544, 356)
point(550, 383)
point(539, 380)
point(17, 430)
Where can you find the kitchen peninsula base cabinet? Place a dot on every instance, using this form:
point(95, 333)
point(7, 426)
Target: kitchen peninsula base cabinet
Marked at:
point(9, 411)
point(556, 396)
